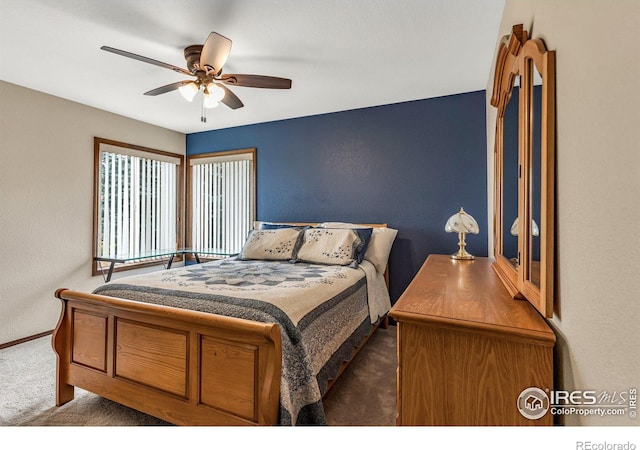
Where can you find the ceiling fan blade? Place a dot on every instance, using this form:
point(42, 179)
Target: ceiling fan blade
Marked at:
point(256, 81)
point(145, 59)
point(215, 52)
point(168, 88)
point(230, 99)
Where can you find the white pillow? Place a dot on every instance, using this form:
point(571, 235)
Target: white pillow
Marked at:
point(257, 224)
point(379, 246)
point(339, 225)
point(280, 244)
point(330, 246)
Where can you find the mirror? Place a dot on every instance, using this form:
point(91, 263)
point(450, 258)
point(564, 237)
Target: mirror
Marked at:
point(510, 169)
point(535, 182)
point(525, 169)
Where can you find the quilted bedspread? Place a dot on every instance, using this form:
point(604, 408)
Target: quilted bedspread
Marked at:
point(323, 312)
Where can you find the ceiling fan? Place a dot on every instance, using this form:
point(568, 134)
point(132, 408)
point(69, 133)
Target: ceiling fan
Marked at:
point(205, 62)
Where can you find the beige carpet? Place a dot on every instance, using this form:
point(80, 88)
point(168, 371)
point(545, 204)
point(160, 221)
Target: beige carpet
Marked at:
point(365, 395)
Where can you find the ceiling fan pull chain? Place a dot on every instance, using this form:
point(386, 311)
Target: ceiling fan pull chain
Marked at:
point(203, 116)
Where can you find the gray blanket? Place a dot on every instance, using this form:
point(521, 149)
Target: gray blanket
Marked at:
point(322, 311)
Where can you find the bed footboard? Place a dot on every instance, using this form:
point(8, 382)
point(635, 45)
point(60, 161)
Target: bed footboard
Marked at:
point(182, 366)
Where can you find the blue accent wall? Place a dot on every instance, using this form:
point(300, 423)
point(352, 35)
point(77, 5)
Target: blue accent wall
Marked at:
point(411, 165)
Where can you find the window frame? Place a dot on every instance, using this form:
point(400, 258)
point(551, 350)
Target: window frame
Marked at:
point(180, 211)
point(189, 187)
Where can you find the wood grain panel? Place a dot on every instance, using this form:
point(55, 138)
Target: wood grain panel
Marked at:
point(226, 389)
point(421, 391)
point(484, 381)
point(467, 379)
point(90, 340)
point(152, 356)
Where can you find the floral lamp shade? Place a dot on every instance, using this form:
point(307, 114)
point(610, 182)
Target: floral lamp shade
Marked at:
point(535, 230)
point(462, 223)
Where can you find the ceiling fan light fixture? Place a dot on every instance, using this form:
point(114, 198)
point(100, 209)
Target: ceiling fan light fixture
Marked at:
point(214, 91)
point(189, 91)
point(209, 102)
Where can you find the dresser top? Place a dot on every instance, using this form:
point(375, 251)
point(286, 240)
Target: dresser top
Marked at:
point(468, 294)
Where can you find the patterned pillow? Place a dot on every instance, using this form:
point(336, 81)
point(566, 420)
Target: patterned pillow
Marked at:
point(329, 246)
point(364, 233)
point(279, 244)
point(379, 246)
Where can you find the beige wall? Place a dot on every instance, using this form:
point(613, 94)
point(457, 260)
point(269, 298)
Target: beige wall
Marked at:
point(46, 188)
point(598, 188)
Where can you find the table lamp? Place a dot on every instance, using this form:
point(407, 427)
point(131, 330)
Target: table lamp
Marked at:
point(462, 223)
point(535, 231)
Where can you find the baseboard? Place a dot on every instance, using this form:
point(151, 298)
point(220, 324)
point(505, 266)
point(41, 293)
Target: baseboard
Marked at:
point(26, 339)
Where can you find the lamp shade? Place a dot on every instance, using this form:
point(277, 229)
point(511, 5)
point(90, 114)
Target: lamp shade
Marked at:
point(209, 101)
point(212, 95)
point(461, 222)
point(215, 91)
point(189, 91)
point(535, 231)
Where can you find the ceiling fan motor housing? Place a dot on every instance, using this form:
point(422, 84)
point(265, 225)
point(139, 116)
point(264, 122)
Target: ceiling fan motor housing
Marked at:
point(192, 56)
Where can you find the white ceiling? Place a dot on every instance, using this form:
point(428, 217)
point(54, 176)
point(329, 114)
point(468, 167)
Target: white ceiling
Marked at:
point(340, 54)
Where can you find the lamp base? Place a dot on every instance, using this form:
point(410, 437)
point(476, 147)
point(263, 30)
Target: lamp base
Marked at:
point(462, 252)
point(463, 256)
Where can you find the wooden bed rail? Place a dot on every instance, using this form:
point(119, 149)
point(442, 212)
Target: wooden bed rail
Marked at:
point(183, 366)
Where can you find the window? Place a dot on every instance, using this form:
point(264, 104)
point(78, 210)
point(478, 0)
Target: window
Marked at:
point(137, 201)
point(221, 199)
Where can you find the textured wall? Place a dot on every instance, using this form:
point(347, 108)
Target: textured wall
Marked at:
point(597, 189)
point(411, 165)
point(46, 200)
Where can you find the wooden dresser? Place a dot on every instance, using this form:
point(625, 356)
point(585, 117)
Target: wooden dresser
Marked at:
point(466, 349)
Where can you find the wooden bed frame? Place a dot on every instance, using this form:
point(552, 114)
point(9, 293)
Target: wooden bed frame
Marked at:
point(182, 366)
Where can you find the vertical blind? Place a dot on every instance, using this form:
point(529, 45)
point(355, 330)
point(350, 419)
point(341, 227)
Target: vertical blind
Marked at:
point(137, 208)
point(222, 199)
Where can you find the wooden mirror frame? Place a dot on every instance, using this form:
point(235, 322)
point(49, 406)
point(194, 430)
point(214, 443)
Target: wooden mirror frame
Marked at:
point(521, 56)
point(506, 71)
point(535, 56)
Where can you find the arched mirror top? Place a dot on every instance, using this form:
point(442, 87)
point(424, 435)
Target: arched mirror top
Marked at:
point(507, 68)
point(543, 59)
